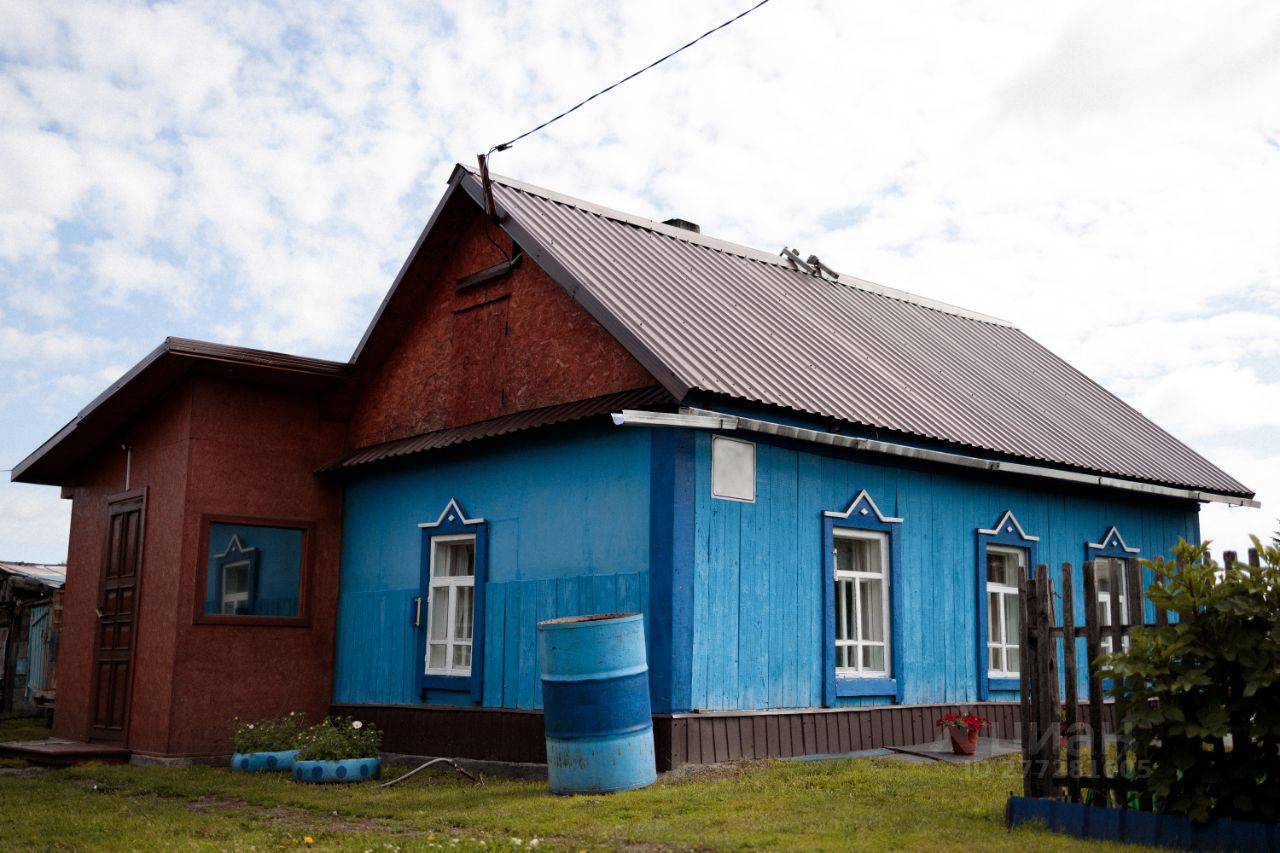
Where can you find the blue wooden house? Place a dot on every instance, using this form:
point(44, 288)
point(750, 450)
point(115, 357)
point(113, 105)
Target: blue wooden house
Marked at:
point(819, 491)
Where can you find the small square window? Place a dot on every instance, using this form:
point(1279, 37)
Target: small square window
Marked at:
point(253, 570)
point(733, 469)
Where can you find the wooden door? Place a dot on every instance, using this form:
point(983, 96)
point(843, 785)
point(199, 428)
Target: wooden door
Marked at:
point(117, 614)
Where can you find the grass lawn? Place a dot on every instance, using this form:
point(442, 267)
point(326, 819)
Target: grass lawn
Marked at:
point(863, 804)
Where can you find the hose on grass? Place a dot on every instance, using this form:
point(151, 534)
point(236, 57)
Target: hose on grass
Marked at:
point(457, 768)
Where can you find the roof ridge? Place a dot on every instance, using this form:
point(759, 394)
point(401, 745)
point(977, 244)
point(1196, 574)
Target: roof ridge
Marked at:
point(729, 247)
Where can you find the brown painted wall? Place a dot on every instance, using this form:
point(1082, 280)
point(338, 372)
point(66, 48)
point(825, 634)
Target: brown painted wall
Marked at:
point(509, 345)
point(212, 447)
point(159, 463)
point(252, 453)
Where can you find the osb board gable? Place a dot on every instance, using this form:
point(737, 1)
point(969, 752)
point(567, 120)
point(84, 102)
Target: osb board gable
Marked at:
point(516, 343)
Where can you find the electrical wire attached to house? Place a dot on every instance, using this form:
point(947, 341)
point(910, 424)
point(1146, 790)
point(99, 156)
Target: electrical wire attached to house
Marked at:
point(505, 145)
point(491, 214)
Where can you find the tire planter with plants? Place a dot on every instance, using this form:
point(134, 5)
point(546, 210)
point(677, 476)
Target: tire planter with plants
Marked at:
point(342, 770)
point(257, 762)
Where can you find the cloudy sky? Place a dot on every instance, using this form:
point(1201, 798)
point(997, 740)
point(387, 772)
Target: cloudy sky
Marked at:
point(1105, 175)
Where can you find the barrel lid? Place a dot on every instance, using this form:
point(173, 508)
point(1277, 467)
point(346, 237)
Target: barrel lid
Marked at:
point(572, 621)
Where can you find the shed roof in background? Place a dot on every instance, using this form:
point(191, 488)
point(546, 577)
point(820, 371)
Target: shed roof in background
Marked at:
point(706, 315)
point(53, 576)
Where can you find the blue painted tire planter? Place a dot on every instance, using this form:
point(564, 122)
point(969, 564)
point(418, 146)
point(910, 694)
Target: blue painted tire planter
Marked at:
point(256, 762)
point(345, 770)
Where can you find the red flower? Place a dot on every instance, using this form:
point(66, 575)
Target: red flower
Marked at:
point(970, 722)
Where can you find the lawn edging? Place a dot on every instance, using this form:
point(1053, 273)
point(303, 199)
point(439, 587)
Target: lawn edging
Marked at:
point(1135, 827)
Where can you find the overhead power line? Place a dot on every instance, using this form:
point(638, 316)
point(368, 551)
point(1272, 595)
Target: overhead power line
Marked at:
point(504, 146)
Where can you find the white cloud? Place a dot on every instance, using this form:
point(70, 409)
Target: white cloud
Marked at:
point(124, 272)
point(1102, 175)
point(33, 524)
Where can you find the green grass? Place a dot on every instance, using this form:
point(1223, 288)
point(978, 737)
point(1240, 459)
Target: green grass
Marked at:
point(866, 804)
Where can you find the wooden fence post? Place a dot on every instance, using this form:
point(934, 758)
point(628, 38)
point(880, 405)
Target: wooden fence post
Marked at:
point(1093, 648)
point(1071, 683)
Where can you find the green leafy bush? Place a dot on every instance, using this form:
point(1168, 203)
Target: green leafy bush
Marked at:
point(336, 738)
point(272, 735)
point(1214, 673)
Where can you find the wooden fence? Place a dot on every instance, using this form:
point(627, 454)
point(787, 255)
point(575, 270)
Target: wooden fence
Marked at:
point(1056, 727)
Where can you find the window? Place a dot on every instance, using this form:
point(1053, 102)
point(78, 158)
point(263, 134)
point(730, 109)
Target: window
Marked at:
point(1004, 567)
point(253, 570)
point(450, 620)
point(1102, 568)
point(862, 603)
point(1108, 554)
point(1005, 552)
point(861, 610)
point(733, 469)
point(448, 614)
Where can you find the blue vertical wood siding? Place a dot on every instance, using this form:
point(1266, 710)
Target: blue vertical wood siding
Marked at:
point(758, 632)
point(568, 514)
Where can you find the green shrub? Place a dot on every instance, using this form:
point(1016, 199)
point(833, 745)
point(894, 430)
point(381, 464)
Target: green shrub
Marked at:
point(272, 735)
point(1213, 673)
point(335, 738)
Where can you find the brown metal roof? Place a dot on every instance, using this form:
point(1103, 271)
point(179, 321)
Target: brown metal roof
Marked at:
point(504, 425)
point(706, 315)
point(162, 369)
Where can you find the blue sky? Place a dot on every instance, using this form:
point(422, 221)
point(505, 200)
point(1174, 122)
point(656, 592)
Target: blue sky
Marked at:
point(1104, 175)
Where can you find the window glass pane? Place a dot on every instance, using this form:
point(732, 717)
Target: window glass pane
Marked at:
point(1012, 652)
point(259, 567)
point(995, 567)
point(462, 613)
point(462, 656)
point(1011, 619)
point(869, 556)
point(994, 633)
point(435, 660)
point(844, 554)
point(873, 658)
point(994, 659)
point(844, 610)
point(454, 559)
point(439, 618)
point(872, 611)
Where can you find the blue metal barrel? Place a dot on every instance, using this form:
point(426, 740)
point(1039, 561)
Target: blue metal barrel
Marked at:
point(595, 699)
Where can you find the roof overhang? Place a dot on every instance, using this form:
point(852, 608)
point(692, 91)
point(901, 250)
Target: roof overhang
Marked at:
point(151, 378)
point(690, 418)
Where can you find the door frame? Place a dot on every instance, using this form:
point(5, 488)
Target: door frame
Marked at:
point(115, 505)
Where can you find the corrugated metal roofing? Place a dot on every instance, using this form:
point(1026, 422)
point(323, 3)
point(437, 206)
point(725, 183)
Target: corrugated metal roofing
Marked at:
point(54, 575)
point(709, 315)
point(500, 426)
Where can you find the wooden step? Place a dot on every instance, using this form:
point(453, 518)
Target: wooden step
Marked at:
point(57, 752)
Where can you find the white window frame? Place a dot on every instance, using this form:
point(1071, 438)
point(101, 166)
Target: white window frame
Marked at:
point(1002, 590)
point(1104, 600)
point(449, 586)
point(857, 643)
point(235, 598)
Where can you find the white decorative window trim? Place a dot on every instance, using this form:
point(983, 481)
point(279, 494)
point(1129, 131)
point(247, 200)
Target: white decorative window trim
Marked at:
point(862, 496)
point(452, 512)
point(1007, 524)
point(1107, 544)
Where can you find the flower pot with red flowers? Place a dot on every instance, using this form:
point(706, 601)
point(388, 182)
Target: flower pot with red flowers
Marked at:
point(964, 730)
